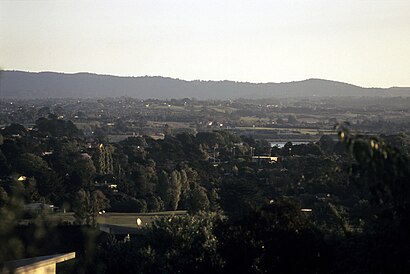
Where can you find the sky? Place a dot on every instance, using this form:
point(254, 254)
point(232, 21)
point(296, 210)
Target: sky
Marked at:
point(366, 43)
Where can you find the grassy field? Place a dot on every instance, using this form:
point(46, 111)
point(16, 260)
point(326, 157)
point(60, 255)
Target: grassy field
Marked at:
point(155, 124)
point(61, 217)
point(311, 131)
point(119, 219)
point(130, 219)
point(170, 107)
point(222, 109)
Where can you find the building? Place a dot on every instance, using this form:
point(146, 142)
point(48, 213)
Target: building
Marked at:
point(43, 264)
point(265, 159)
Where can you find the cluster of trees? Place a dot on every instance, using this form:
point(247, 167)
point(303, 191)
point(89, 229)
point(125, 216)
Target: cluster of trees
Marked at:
point(47, 165)
point(136, 175)
point(279, 237)
point(245, 216)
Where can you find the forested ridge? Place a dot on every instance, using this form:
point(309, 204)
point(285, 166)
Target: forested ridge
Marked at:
point(21, 84)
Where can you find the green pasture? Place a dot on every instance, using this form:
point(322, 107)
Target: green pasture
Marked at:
point(310, 131)
point(115, 218)
point(130, 219)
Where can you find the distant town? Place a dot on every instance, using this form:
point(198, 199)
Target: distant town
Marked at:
point(270, 119)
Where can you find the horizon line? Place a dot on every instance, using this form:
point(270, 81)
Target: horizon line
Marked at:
point(194, 80)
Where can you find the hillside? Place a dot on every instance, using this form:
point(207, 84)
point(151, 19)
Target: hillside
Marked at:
point(18, 84)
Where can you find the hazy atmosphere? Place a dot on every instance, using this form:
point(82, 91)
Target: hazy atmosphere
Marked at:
point(366, 43)
point(193, 136)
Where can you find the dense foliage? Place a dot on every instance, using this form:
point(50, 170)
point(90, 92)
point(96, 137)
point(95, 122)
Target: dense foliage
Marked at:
point(335, 206)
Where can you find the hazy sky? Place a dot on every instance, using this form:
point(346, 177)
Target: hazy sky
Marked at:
point(361, 42)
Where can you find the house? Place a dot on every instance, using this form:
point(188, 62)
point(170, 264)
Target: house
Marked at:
point(265, 159)
point(22, 178)
point(86, 155)
point(43, 264)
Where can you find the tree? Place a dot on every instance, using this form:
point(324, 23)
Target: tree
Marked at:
point(162, 187)
point(169, 189)
point(210, 138)
point(14, 129)
point(105, 161)
point(77, 170)
point(11, 209)
point(57, 127)
point(278, 238)
point(306, 149)
point(287, 149)
point(292, 119)
point(175, 244)
point(167, 129)
point(174, 190)
point(47, 183)
point(4, 167)
point(383, 168)
point(381, 172)
point(44, 111)
point(326, 143)
point(3, 197)
point(198, 200)
point(87, 205)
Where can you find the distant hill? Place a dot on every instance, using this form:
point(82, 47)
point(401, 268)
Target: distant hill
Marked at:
point(19, 84)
